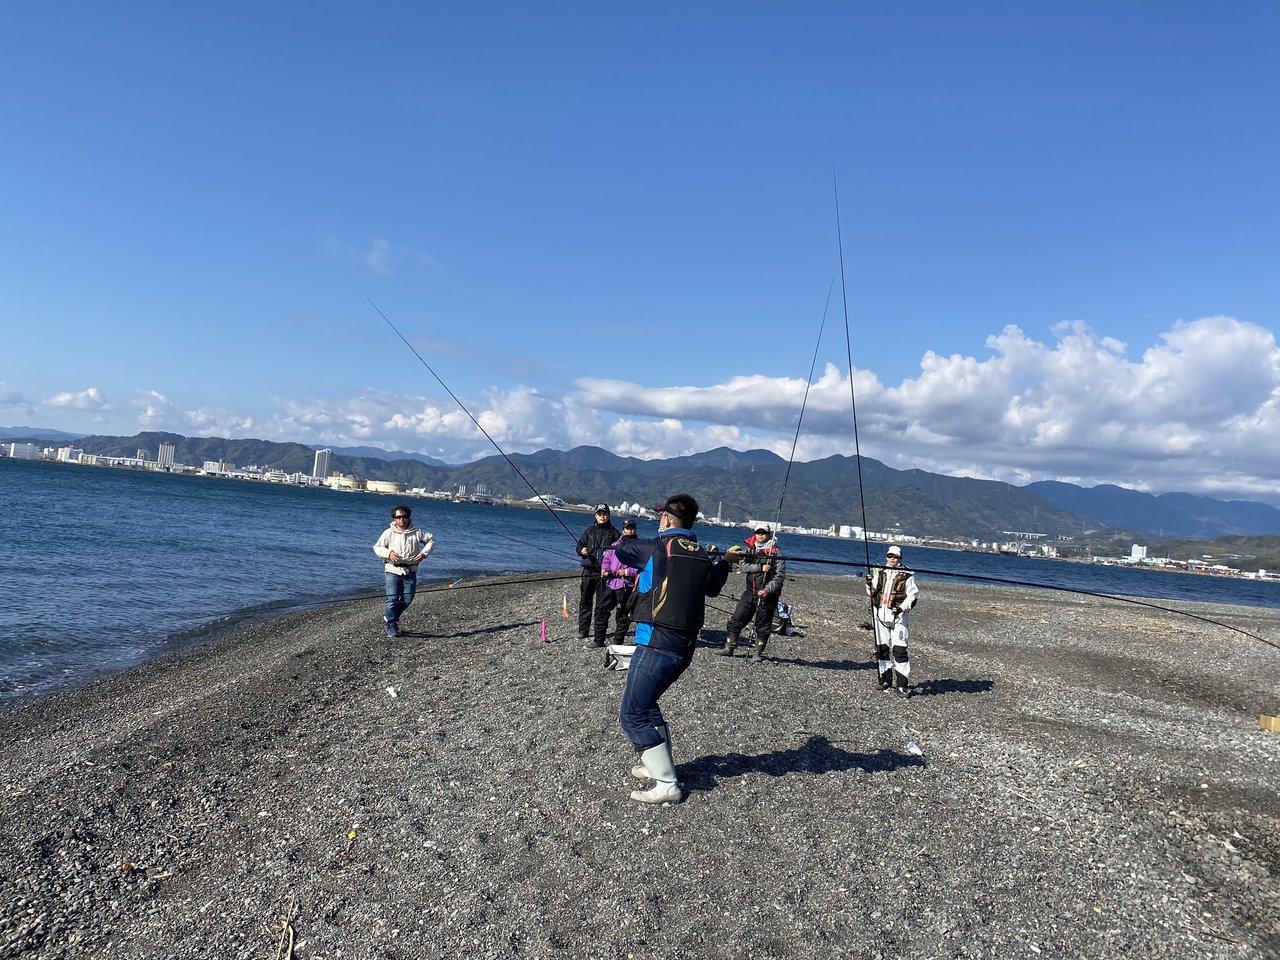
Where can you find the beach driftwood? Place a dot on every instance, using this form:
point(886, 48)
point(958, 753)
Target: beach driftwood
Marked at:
point(1087, 779)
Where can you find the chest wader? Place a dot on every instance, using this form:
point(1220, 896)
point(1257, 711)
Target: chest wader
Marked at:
point(893, 664)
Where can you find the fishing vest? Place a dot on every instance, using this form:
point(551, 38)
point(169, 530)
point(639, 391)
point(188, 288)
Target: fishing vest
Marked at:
point(889, 587)
point(677, 598)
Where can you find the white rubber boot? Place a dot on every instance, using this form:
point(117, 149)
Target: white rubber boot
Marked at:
point(666, 788)
point(639, 771)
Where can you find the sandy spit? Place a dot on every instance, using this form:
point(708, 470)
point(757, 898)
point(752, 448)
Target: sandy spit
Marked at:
point(1093, 782)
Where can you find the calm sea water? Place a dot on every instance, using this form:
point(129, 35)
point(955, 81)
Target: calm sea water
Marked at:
point(102, 569)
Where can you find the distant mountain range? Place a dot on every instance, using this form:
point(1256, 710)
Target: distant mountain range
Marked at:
point(369, 453)
point(1178, 515)
point(749, 484)
point(25, 434)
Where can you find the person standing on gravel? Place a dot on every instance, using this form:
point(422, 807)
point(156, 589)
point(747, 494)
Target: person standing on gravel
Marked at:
point(619, 580)
point(676, 577)
point(892, 589)
point(402, 548)
point(765, 571)
point(595, 540)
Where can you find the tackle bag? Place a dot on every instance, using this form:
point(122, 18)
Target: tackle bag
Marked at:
point(782, 620)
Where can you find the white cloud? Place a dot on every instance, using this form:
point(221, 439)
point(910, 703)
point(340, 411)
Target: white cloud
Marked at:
point(90, 399)
point(1198, 411)
point(12, 397)
point(214, 422)
point(375, 258)
point(381, 256)
point(155, 412)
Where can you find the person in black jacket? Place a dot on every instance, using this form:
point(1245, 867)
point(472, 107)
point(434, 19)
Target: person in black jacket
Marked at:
point(765, 570)
point(676, 577)
point(595, 540)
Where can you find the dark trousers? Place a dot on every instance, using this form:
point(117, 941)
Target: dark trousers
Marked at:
point(750, 609)
point(608, 601)
point(651, 673)
point(589, 590)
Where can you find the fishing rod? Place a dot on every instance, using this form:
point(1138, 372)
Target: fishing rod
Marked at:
point(813, 365)
point(464, 409)
point(1044, 586)
point(556, 578)
point(848, 346)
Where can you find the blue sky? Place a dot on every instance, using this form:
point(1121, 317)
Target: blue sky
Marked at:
point(615, 225)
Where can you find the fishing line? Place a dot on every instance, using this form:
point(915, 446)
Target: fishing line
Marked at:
point(500, 581)
point(777, 522)
point(848, 346)
point(1045, 586)
point(524, 543)
point(464, 409)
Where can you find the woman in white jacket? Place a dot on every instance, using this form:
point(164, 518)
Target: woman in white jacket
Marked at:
point(402, 547)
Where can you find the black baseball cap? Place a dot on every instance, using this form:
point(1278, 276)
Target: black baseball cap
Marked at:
point(681, 506)
point(629, 524)
point(602, 508)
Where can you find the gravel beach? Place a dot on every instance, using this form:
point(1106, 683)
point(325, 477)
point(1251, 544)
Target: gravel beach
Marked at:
point(1092, 782)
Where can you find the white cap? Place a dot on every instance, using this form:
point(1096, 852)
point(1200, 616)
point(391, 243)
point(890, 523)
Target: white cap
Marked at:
point(893, 552)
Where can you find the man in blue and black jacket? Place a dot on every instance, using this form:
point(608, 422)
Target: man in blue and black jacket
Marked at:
point(676, 577)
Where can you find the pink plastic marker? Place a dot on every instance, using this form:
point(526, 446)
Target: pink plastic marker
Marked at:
point(543, 638)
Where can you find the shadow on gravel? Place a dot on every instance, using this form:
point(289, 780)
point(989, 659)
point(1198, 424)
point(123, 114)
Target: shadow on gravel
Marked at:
point(934, 688)
point(818, 755)
point(479, 631)
point(824, 664)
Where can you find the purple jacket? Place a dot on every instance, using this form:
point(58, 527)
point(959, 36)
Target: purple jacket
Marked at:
point(617, 576)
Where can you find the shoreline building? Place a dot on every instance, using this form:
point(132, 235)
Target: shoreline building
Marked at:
point(321, 468)
point(23, 451)
point(166, 455)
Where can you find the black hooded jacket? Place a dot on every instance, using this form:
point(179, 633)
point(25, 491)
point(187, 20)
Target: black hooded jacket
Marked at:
point(597, 538)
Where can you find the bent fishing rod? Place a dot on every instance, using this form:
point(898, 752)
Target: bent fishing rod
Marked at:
point(464, 409)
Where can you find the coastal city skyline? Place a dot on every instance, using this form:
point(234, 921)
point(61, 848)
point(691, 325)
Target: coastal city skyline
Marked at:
point(1059, 227)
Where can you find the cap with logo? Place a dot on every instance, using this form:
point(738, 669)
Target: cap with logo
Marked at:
point(602, 508)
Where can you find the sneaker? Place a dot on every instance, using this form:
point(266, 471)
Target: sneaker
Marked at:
point(593, 644)
point(883, 683)
point(904, 692)
point(393, 630)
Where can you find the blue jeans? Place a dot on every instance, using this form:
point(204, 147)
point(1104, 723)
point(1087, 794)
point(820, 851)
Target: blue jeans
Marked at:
point(400, 591)
point(651, 673)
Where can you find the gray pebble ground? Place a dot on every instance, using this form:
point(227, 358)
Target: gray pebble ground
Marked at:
point(1094, 783)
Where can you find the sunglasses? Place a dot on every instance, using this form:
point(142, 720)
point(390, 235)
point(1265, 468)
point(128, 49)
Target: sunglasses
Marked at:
point(399, 516)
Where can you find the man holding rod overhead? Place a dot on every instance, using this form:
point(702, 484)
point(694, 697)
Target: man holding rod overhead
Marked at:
point(676, 577)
